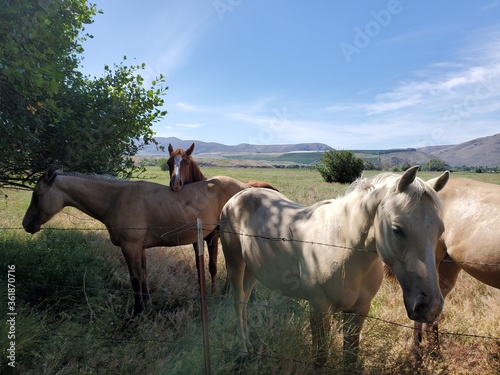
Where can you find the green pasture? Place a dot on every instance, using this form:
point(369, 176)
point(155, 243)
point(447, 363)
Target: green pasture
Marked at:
point(291, 157)
point(74, 303)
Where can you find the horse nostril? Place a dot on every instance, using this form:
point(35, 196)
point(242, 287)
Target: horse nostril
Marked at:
point(421, 309)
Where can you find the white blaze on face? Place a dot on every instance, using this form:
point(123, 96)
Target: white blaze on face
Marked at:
point(177, 165)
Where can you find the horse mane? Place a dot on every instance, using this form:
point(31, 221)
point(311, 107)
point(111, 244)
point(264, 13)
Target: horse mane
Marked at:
point(89, 176)
point(197, 175)
point(412, 194)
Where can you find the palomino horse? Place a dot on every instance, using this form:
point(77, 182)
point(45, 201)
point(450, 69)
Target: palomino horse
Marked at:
point(329, 253)
point(138, 215)
point(471, 239)
point(184, 170)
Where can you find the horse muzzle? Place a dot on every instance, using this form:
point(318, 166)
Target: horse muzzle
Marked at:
point(424, 309)
point(176, 184)
point(30, 226)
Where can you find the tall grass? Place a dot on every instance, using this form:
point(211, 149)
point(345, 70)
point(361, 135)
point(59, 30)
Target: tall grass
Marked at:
point(75, 305)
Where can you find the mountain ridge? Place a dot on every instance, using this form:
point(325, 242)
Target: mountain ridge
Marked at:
point(484, 151)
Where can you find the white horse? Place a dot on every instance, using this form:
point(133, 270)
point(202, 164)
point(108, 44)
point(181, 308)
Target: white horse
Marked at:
point(329, 253)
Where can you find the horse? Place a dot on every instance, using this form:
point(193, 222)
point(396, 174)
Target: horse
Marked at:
point(470, 242)
point(184, 170)
point(330, 253)
point(138, 214)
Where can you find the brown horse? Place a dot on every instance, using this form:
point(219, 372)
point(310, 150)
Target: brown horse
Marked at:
point(184, 170)
point(138, 215)
point(470, 242)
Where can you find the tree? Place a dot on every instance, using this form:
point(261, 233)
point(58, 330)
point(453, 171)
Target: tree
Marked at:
point(435, 165)
point(50, 112)
point(340, 166)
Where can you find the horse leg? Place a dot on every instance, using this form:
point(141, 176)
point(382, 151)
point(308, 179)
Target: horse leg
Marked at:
point(351, 330)
point(133, 256)
point(145, 288)
point(417, 342)
point(249, 282)
point(212, 241)
point(320, 326)
point(235, 271)
point(448, 274)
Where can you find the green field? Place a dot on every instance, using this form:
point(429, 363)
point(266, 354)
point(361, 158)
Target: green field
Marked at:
point(74, 304)
point(291, 157)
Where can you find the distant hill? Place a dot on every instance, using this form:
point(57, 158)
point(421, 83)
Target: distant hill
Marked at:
point(483, 152)
point(219, 148)
point(389, 158)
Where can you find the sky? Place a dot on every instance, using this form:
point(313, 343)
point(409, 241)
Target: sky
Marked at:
point(350, 74)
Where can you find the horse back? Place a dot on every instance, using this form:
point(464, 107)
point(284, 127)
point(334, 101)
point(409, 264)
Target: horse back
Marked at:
point(291, 249)
point(154, 214)
point(470, 213)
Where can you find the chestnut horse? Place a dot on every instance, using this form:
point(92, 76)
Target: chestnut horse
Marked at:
point(184, 170)
point(470, 242)
point(330, 253)
point(138, 215)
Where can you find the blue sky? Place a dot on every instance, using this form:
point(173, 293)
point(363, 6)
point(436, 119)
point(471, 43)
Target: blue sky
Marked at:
point(351, 74)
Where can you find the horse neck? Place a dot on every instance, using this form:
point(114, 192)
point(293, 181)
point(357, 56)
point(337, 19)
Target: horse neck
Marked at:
point(360, 212)
point(196, 174)
point(91, 196)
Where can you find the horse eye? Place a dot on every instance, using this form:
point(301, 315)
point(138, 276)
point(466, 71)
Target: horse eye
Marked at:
point(397, 230)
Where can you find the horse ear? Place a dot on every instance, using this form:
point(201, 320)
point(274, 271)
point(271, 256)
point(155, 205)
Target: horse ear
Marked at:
point(190, 150)
point(439, 183)
point(50, 173)
point(170, 149)
point(407, 178)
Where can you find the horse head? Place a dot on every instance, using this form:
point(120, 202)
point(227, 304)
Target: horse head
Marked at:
point(406, 231)
point(179, 165)
point(44, 204)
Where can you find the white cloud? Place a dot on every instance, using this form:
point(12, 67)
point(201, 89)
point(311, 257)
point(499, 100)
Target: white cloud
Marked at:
point(189, 126)
point(187, 107)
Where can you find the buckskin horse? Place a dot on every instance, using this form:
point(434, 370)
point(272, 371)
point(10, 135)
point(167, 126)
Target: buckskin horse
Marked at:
point(330, 253)
point(138, 215)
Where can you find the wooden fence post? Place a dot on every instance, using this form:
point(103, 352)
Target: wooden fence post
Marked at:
point(203, 295)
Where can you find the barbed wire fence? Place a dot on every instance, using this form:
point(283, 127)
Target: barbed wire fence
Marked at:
point(203, 346)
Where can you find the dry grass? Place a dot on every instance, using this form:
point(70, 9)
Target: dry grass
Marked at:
point(99, 335)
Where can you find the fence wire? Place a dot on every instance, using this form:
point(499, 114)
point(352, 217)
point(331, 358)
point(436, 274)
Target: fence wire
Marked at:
point(168, 230)
point(220, 299)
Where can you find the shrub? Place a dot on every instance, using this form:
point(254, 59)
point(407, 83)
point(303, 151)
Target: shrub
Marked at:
point(340, 166)
point(162, 163)
point(435, 165)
